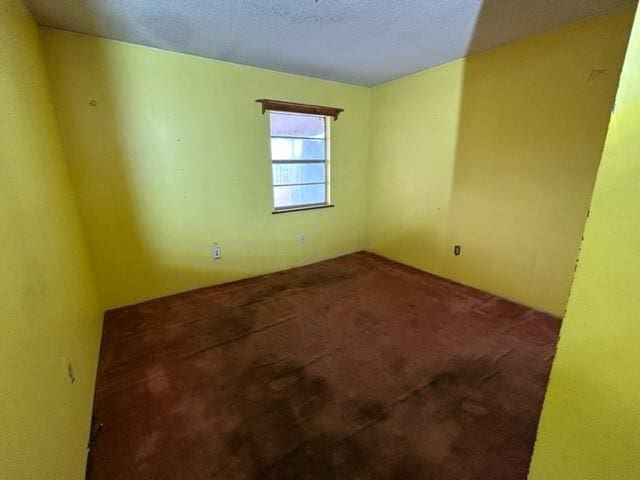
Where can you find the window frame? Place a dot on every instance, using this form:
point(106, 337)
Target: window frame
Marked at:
point(326, 162)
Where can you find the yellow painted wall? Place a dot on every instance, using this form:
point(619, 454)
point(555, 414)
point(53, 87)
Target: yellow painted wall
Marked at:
point(498, 153)
point(590, 426)
point(49, 314)
point(174, 156)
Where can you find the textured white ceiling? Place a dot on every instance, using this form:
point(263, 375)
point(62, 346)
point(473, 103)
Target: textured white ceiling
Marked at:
point(364, 42)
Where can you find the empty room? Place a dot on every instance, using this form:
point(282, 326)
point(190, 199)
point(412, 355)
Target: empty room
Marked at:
point(319, 239)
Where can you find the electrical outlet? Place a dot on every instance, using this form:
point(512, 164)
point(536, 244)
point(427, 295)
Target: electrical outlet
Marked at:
point(457, 250)
point(301, 238)
point(217, 252)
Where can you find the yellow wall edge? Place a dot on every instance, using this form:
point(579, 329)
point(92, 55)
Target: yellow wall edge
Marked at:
point(590, 424)
point(49, 314)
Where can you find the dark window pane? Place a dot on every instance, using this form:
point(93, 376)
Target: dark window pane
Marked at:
point(288, 173)
point(294, 196)
point(291, 125)
point(297, 149)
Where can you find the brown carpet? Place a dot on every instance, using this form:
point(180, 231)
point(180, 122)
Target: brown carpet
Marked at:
point(353, 368)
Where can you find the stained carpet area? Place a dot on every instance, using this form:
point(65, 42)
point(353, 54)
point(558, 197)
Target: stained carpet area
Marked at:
point(353, 368)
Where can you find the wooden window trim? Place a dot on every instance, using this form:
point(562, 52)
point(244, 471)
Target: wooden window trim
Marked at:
point(282, 106)
point(302, 208)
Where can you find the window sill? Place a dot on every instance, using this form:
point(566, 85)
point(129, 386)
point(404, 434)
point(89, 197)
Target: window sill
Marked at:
point(299, 209)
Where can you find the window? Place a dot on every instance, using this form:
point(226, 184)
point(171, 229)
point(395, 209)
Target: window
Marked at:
point(299, 157)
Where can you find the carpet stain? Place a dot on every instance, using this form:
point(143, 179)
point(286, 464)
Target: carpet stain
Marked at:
point(353, 368)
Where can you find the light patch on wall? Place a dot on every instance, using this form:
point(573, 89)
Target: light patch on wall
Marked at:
point(175, 155)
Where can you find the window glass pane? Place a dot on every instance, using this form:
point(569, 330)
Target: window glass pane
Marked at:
point(288, 173)
point(297, 149)
point(291, 125)
point(298, 195)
